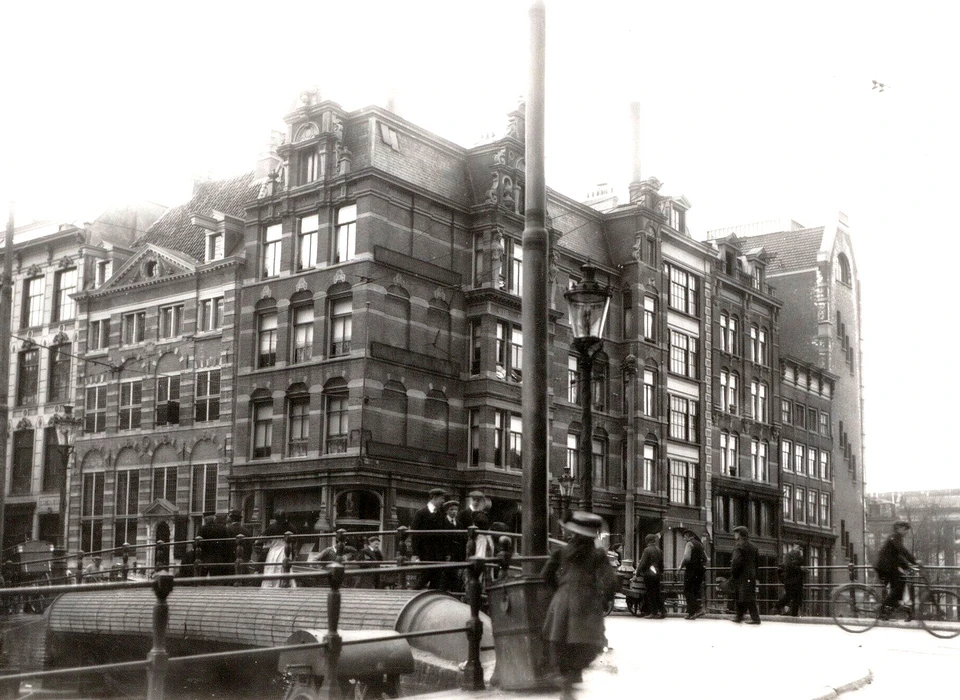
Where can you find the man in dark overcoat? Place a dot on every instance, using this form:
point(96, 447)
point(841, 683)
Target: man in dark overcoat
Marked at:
point(430, 547)
point(791, 575)
point(694, 571)
point(650, 567)
point(744, 568)
point(456, 544)
point(236, 527)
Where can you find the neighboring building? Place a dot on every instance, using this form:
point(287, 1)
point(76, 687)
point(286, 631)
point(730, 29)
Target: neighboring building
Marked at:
point(806, 461)
point(745, 352)
point(934, 518)
point(50, 265)
point(157, 335)
point(814, 274)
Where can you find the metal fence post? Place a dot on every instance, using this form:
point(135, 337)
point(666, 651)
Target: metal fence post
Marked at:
point(125, 558)
point(197, 555)
point(473, 670)
point(505, 546)
point(402, 555)
point(80, 566)
point(333, 639)
point(158, 657)
point(287, 557)
point(238, 561)
point(472, 541)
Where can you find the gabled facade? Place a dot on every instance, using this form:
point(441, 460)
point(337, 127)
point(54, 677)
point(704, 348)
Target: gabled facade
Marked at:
point(815, 275)
point(52, 262)
point(157, 338)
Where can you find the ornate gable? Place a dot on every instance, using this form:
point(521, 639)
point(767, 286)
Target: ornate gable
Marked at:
point(150, 264)
point(160, 508)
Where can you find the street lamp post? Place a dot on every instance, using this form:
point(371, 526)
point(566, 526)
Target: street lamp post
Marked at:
point(588, 303)
point(565, 483)
point(65, 427)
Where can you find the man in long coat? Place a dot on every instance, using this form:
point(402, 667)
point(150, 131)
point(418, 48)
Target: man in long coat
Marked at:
point(791, 574)
point(694, 571)
point(430, 547)
point(744, 568)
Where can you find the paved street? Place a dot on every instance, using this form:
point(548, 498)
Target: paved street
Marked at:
point(711, 658)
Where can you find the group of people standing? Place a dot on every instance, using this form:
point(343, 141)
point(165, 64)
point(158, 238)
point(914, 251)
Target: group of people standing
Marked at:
point(433, 541)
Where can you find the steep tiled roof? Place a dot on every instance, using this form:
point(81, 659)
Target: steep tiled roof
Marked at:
point(173, 230)
point(794, 250)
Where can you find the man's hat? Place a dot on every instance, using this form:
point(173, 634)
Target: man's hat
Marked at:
point(584, 523)
point(476, 494)
point(901, 523)
point(373, 538)
point(450, 504)
point(210, 514)
point(235, 515)
point(437, 492)
point(741, 530)
point(97, 557)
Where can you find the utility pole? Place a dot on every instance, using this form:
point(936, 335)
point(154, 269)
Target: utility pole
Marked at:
point(6, 306)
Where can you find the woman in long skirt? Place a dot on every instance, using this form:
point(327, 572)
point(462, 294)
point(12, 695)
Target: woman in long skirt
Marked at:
point(583, 582)
point(276, 551)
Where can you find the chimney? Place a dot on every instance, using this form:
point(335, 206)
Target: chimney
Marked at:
point(636, 179)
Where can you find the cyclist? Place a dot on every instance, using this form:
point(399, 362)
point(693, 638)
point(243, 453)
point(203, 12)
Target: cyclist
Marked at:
point(893, 562)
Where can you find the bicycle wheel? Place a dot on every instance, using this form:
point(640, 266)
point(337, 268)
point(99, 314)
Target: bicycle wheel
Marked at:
point(939, 612)
point(855, 607)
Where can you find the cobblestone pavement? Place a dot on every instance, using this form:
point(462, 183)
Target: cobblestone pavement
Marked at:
point(714, 659)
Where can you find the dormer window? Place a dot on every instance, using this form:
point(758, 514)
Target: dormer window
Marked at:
point(214, 247)
point(101, 273)
point(757, 277)
point(309, 166)
point(677, 218)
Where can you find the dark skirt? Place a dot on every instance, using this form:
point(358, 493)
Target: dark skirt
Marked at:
point(571, 658)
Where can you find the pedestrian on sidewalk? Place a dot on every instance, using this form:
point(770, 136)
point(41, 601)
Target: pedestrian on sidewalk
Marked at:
point(583, 582)
point(276, 546)
point(651, 569)
point(744, 568)
point(694, 567)
point(791, 575)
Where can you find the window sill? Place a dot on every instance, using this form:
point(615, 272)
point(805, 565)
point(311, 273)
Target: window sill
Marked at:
point(204, 335)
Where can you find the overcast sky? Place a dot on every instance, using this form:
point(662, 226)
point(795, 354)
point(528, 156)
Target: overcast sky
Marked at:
point(750, 111)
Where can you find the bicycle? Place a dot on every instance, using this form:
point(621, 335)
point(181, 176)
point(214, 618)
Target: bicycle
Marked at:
point(857, 607)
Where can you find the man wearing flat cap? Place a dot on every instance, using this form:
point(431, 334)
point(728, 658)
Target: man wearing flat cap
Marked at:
point(744, 568)
point(456, 543)
point(430, 547)
point(475, 503)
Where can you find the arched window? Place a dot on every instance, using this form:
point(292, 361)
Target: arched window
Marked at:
point(647, 473)
point(164, 474)
point(298, 420)
point(93, 469)
point(843, 269)
point(336, 431)
point(599, 452)
point(261, 415)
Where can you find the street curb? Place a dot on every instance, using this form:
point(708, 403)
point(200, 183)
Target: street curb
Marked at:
point(832, 693)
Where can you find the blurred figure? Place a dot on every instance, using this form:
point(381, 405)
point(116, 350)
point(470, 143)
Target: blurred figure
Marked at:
point(791, 575)
point(744, 568)
point(583, 583)
point(95, 571)
point(430, 546)
point(371, 557)
point(893, 563)
point(650, 568)
point(276, 550)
